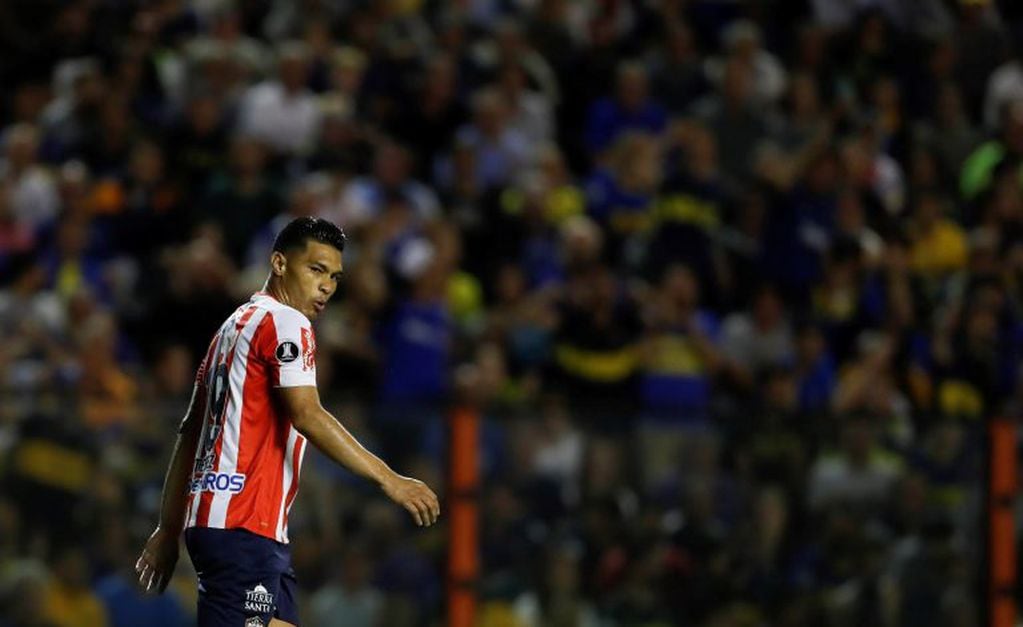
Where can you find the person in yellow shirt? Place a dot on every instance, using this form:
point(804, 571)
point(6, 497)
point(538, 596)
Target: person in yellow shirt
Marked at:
point(70, 602)
point(938, 244)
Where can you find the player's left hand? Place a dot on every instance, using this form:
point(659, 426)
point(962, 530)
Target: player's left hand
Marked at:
point(156, 564)
point(416, 497)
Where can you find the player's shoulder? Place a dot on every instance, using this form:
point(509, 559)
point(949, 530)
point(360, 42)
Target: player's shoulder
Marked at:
point(284, 317)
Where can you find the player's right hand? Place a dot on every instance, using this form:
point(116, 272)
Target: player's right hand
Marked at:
point(415, 496)
point(156, 564)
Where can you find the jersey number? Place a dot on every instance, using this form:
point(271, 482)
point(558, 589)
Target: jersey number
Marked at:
point(215, 416)
point(218, 392)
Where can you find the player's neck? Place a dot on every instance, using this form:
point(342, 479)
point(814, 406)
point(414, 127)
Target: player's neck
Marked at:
point(276, 291)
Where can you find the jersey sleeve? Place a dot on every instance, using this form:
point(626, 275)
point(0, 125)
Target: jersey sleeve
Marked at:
point(204, 365)
point(287, 345)
point(199, 390)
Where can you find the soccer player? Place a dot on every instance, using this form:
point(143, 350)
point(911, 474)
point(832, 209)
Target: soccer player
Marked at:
point(235, 468)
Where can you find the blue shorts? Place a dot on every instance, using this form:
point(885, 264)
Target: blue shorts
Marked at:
point(244, 578)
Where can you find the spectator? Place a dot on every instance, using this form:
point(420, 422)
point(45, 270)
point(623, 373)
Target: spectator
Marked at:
point(33, 194)
point(859, 474)
point(876, 175)
point(67, 120)
point(1004, 87)
point(427, 129)
point(838, 300)
point(529, 113)
point(950, 133)
point(983, 45)
point(680, 362)
point(365, 197)
point(522, 322)
point(71, 267)
point(631, 109)
point(25, 595)
point(620, 194)
point(16, 236)
point(198, 142)
point(967, 359)
point(242, 199)
point(35, 319)
point(814, 370)
point(676, 76)
point(351, 601)
point(558, 601)
point(215, 70)
point(804, 117)
point(689, 209)
point(939, 244)
point(227, 30)
point(283, 112)
point(800, 230)
point(758, 340)
point(551, 183)
point(509, 46)
point(416, 341)
point(143, 205)
point(595, 345)
point(107, 145)
point(342, 148)
point(348, 73)
point(851, 225)
point(69, 601)
point(742, 44)
point(126, 606)
point(556, 448)
point(868, 385)
point(500, 151)
point(735, 119)
point(108, 394)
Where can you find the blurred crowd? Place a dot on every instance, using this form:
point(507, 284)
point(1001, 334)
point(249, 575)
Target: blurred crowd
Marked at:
point(734, 285)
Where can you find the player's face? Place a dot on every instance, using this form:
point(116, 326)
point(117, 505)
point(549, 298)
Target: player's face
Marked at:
point(311, 276)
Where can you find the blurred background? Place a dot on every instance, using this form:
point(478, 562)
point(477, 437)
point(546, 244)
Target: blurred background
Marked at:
point(731, 289)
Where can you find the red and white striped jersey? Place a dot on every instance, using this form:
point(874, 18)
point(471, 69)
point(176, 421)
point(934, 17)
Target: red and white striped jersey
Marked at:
point(249, 456)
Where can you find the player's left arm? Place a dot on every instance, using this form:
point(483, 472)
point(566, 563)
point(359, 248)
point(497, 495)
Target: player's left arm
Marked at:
point(290, 352)
point(326, 433)
point(159, 557)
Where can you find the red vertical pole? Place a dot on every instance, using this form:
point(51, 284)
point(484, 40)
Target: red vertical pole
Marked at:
point(463, 541)
point(1001, 524)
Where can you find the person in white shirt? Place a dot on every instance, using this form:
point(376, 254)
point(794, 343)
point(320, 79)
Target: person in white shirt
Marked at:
point(743, 44)
point(283, 112)
point(529, 112)
point(1004, 86)
point(33, 192)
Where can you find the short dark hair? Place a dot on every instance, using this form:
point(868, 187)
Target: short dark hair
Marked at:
point(295, 234)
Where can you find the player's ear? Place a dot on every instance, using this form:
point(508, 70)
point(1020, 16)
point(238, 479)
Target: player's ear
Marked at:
point(278, 262)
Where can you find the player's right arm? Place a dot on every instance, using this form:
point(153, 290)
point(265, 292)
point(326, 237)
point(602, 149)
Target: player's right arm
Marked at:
point(314, 422)
point(160, 555)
